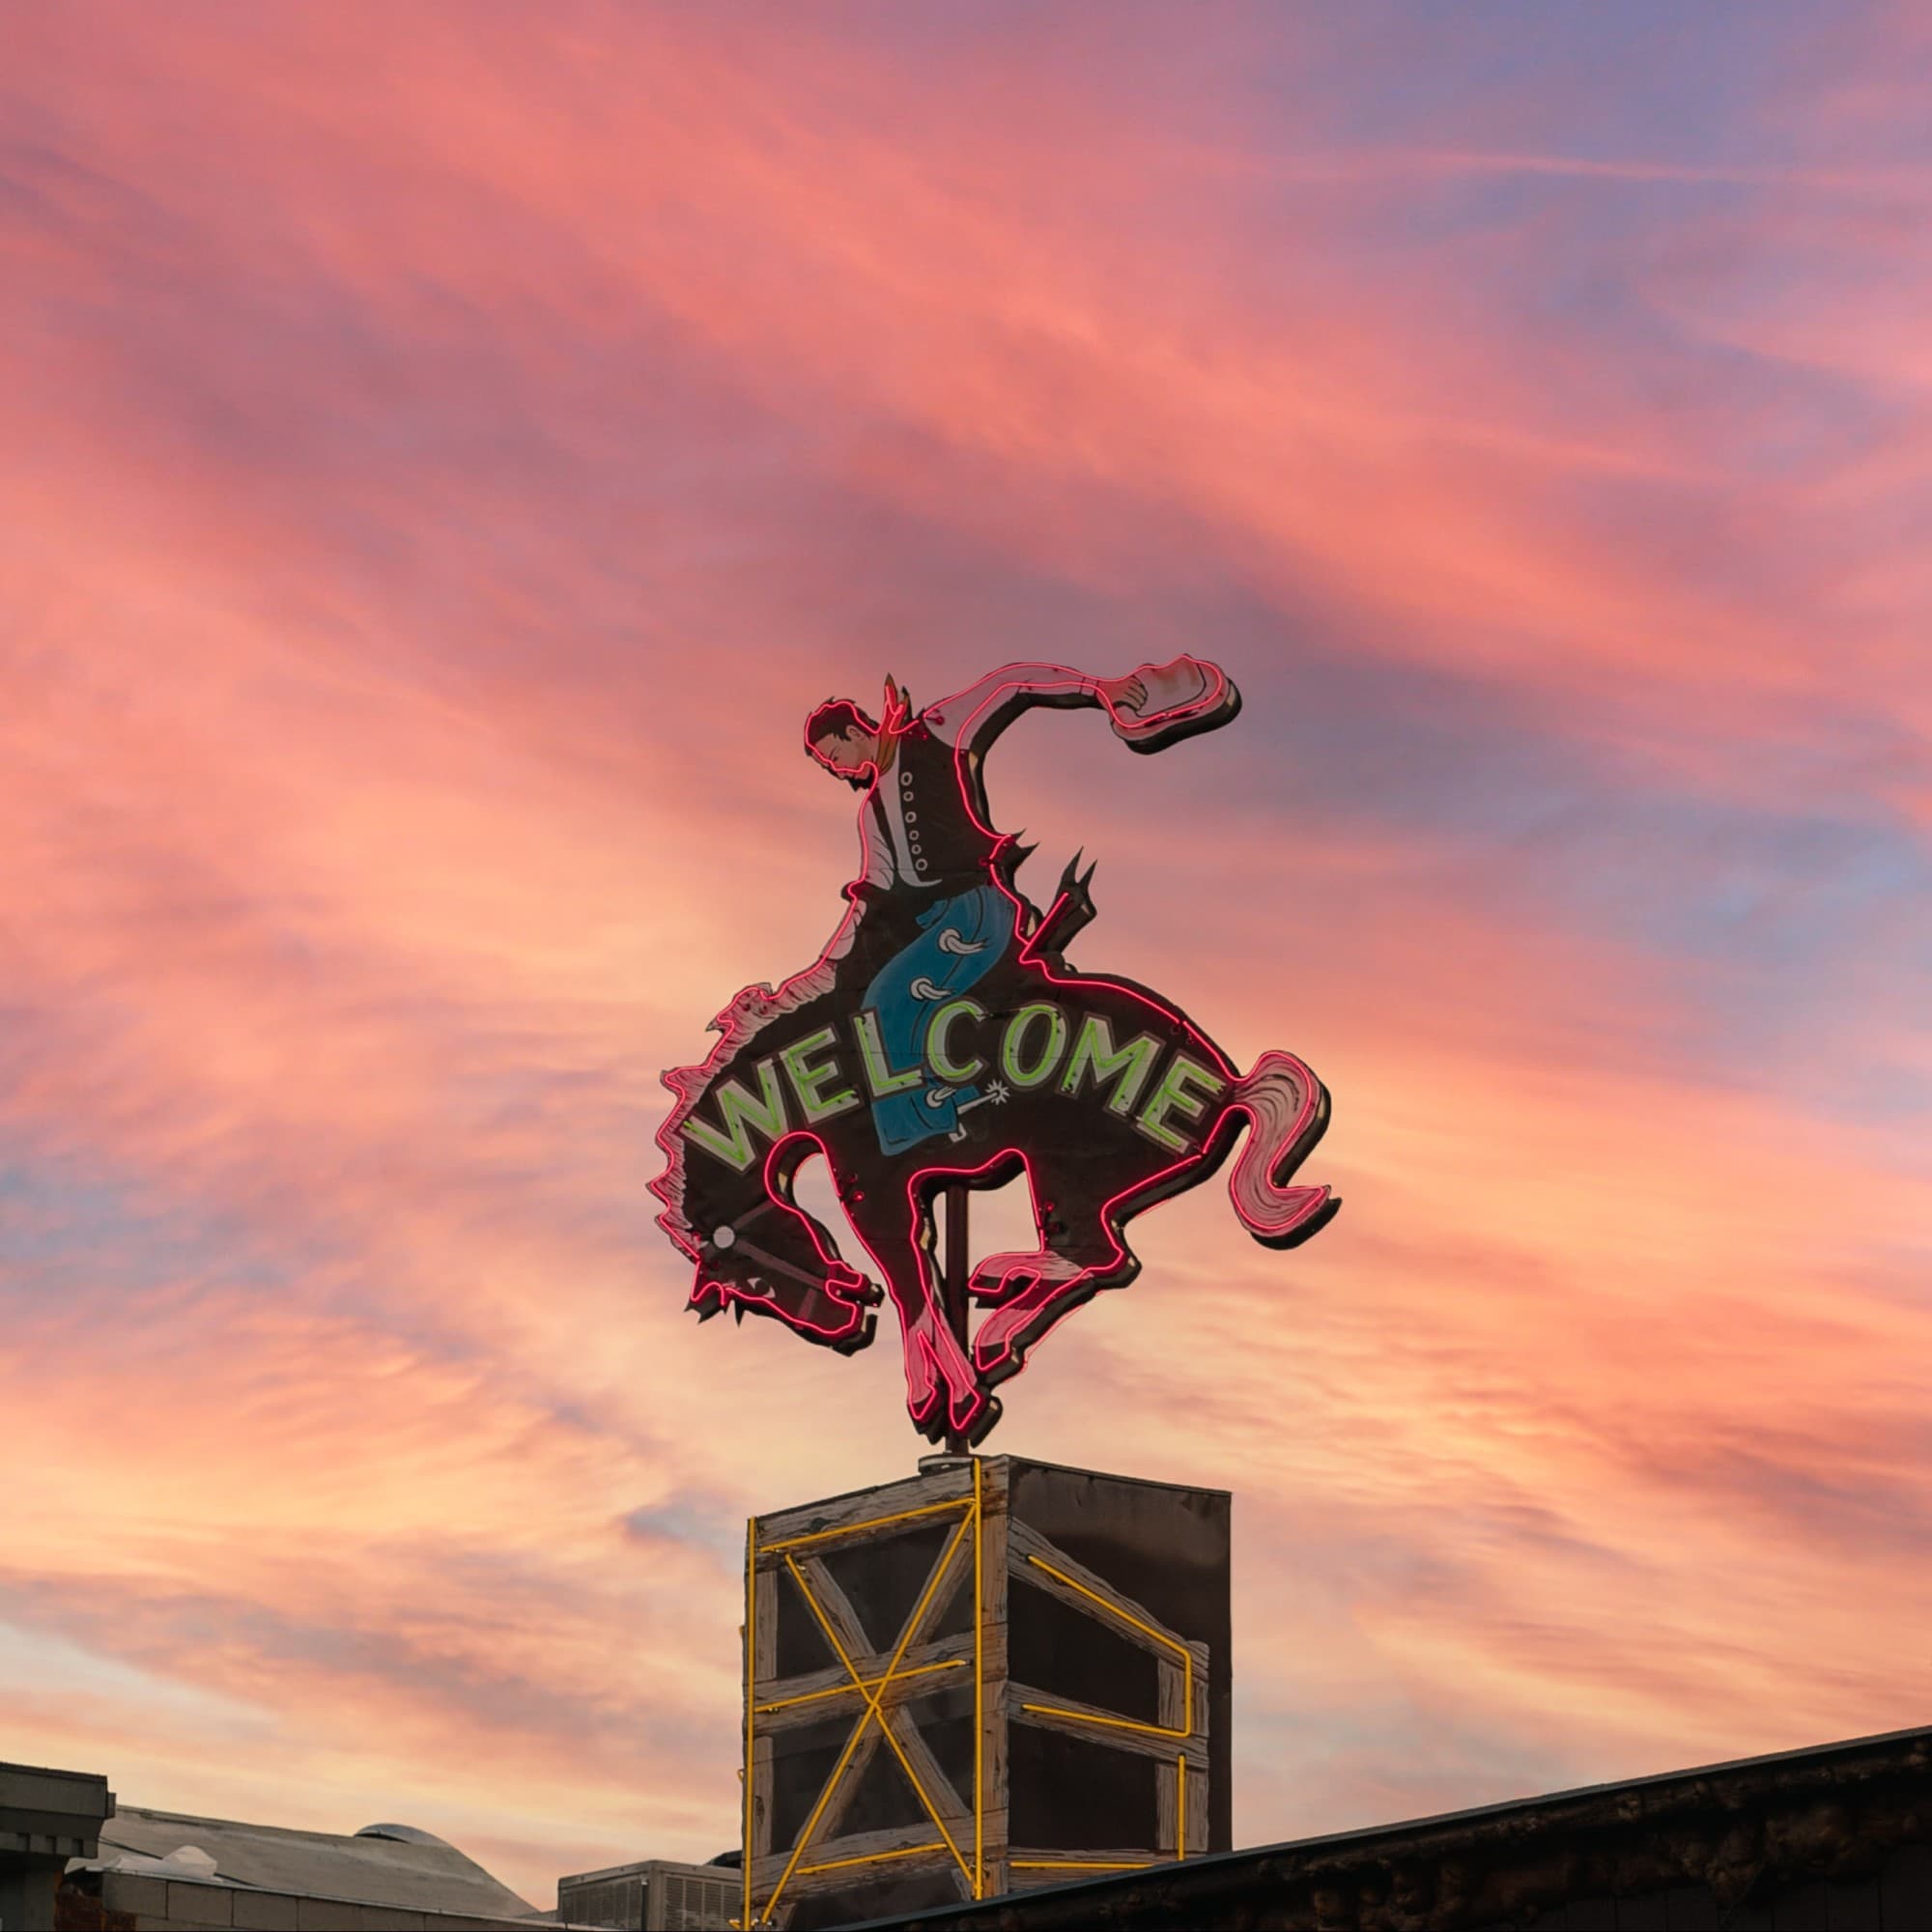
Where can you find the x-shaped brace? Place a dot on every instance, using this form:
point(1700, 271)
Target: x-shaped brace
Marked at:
point(828, 1606)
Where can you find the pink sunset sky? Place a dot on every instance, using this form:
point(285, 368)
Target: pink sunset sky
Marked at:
point(446, 451)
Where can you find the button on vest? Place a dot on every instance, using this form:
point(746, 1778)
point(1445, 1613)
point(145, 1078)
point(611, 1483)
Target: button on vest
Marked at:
point(935, 834)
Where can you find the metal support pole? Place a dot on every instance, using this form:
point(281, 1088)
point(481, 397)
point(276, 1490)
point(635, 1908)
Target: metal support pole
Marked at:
point(958, 1265)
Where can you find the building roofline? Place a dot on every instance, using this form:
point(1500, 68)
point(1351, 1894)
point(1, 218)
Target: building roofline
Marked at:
point(460, 1915)
point(1910, 1747)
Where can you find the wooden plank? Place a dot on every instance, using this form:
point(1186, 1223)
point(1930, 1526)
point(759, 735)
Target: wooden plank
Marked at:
point(832, 1691)
point(904, 1855)
point(765, 1614)
point(996, 1481)
point(891, 1509)
point(1168, 1787)
point(1167, 1797)
point(1170, 1706)
point(761, 1796)
point(993, 1639)
point(917, 1847)
point(995, 1533)
point(1032, 1865)
point(764, 1663)
point(1038, 1855)
point(1025, 1544)
point(855, 1506)
point(1077, 1720)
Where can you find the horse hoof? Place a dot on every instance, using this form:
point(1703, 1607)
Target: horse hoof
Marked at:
point(981, 1425)
point(860, 1338)
point(993, 1373)
point(991, 1289)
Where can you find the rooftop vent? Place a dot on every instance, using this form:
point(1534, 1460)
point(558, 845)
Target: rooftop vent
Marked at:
point(404, 1834)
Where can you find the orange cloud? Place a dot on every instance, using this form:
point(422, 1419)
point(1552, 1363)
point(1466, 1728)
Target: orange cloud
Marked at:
point(433, 489)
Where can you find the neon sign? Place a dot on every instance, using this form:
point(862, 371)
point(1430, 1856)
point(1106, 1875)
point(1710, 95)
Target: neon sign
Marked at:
point(941, 1041)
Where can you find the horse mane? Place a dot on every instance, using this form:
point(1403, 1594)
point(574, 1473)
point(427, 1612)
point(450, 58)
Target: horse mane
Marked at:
point(750, 1011)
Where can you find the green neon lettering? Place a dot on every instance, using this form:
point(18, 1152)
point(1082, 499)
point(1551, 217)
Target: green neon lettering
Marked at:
point(954, 1072)
point(1018, 1029)
point(740, 1114)
point(1094, 1056)
point(809, 1082)
point(879, 1074)
point(1173, 1095)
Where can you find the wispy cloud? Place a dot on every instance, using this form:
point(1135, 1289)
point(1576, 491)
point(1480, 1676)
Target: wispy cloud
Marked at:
point(431, 491)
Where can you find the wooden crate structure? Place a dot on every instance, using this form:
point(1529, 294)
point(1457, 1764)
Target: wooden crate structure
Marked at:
point(994, 1675)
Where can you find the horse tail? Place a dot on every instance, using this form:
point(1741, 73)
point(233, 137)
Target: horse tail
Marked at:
point(1288, 1113)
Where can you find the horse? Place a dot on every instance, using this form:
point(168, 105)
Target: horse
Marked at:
point(1100, 1093)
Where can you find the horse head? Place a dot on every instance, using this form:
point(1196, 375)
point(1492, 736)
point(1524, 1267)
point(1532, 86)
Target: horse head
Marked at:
point(755, 1250)
point(776, 1266)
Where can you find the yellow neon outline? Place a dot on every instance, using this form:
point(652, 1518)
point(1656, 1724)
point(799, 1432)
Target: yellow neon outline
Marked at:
point(871, 1689)
point(870, 1859)
point(1187, 1730)
point(1112, 1723)
point(811, 1822)
point(853, 1528)
point(1082, 1865)
point(875, 1708)
point(872, 1709)
point(1186, 1656)
point(979, 1703)
point(870, 1683)
point(750, 1692)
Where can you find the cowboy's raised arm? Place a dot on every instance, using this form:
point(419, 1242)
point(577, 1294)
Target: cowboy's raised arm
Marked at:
point(972, 717)
point(1148, 708)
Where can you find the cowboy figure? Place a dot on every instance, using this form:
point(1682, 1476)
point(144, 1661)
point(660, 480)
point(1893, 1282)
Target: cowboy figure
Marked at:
point(938, 919)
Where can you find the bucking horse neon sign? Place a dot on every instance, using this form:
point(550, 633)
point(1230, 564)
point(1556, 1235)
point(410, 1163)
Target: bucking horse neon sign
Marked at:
point(941, 1040)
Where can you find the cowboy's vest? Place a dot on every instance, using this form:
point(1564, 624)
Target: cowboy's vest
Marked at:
point(925, 820)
